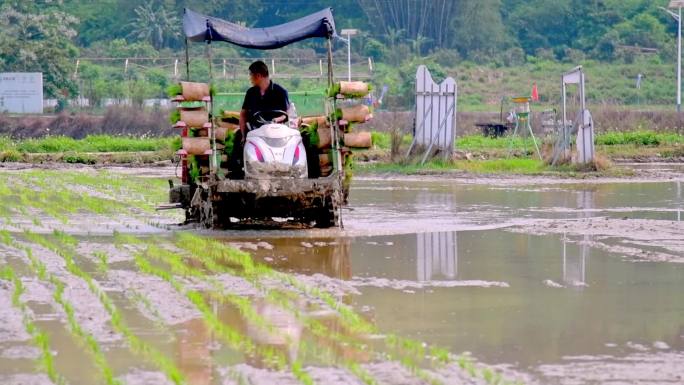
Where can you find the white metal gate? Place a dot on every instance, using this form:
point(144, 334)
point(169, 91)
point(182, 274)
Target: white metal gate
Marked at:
point(435, 125)
point(583, 124)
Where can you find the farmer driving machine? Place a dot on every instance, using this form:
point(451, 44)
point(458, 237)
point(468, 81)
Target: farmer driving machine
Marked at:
point(298, 170)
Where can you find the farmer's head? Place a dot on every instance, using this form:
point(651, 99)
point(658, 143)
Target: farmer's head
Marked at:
point(258, 73)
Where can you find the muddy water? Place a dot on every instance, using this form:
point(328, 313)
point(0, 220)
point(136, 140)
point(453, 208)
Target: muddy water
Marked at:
point(560, 282)
point(415, 206)
point(457, 265)
point(671, 167)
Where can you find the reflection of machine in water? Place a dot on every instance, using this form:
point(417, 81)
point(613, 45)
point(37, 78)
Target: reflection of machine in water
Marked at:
point(283, 334)
point(193, 352)
point(574, 266)
point(437, 256)
point(329, 257)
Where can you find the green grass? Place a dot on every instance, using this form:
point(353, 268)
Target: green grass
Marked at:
point(479, 142)
point(639, 138)
point(497, 166)
point(383, 140)
point(490, 166)
point(482, 86)
point(492, 155)
point(92, 143)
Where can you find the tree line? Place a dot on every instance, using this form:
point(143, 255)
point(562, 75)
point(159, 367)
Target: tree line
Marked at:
point(47, 35)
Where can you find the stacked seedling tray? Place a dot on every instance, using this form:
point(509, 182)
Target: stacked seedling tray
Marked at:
point(192, 117)
point(351, 109)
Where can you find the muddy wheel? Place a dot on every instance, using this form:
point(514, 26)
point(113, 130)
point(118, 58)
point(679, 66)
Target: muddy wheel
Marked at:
point(207, 214)
point(191, 215)
point(209, 211)
point(327, 215)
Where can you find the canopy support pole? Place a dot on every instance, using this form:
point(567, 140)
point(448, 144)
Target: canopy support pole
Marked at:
point(330, 69)
point(187, 61)
point(208, 53)
point(214, 162)
point(334, 132)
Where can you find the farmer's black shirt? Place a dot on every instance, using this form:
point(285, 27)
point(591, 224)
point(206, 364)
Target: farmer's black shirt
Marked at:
point(275, 98)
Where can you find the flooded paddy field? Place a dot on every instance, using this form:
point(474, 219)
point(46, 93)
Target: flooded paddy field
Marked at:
point(431, 281)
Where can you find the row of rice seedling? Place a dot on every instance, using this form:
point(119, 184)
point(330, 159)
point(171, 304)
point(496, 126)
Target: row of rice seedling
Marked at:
point(221, 255)
point(354, 322)
point(405, 347)
point(61, 194)
point(22, 196)
point(102, 262)
point(178, 267)
point(22, 192)
point(411, 353)
point(71, 194)
point(284, 299)
point(246, 309)
point(101, 192)
point(64, 246)
point(254, 272)
point(228, 334)
point(39, 337)
point(142, 193)
point(85, 339)
point(245, 305)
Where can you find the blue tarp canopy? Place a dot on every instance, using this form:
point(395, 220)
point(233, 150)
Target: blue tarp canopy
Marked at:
point(198, 27)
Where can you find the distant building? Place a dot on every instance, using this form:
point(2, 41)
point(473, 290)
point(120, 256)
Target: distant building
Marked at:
point(21, 92)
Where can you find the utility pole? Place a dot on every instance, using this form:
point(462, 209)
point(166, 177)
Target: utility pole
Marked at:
point(678, 4)
point(350, 33)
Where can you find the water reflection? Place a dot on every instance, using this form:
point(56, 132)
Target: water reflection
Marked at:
point(280, 326)
point(437, 256)
point(526, 322)
point(193, 353)
point(445, 202)
point(283, 334)
point(327, 256)
point(679, 201)
point(575, 265)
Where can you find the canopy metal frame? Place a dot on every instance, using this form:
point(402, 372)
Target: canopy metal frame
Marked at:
point(208, 37)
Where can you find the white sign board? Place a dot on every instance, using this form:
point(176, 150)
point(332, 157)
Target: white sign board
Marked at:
point(21, 92)
point(435, 111)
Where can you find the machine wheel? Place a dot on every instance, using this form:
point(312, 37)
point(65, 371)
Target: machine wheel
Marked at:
point(328, 214)
point(208, 212)
point(207, 215)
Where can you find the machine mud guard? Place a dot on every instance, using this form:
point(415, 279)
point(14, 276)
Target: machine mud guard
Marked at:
point(306, 200)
